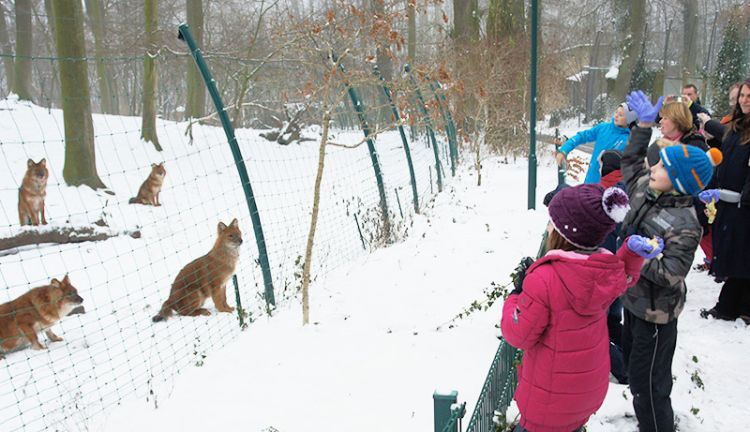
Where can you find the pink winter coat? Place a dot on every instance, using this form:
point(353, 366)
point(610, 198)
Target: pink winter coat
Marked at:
point(560, 322)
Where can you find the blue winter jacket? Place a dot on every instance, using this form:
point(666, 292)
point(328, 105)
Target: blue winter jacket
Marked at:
point(605, 136)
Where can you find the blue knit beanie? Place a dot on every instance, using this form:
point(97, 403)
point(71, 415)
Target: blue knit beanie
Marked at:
point(689, 168)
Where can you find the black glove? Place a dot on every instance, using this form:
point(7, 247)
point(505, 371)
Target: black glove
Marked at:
point(520, 273)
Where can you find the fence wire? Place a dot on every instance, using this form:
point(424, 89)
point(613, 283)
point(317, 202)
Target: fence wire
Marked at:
point(123, 258)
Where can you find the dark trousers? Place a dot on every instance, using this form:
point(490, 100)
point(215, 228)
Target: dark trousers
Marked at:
point(734, 299)
point(648, 350)
point(614, 327)
point(520, 428)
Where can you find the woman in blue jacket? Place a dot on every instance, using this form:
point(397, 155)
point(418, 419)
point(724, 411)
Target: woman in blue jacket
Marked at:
point(605, 136)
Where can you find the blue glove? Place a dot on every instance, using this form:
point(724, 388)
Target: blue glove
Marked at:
point(640, 245)
point(709, 195)
point(642, 106)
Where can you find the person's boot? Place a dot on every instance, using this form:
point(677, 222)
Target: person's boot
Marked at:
point(715, 313)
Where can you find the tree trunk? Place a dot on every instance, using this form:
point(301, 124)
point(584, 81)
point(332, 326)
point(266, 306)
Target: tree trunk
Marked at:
point(148, 125)
point(6, 50)
point(196, 91)
point(383, 59)
point(591, 78)
point(505, 18)
point(107, 92)
point(22, 71)
point(631, 49)
point(411, 14)
point(465, 20)
point(80, 155)
point(689, 41)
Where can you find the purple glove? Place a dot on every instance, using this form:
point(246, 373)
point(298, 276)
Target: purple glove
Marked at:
point(642, 106)
point(709, 195)
point(640, 245)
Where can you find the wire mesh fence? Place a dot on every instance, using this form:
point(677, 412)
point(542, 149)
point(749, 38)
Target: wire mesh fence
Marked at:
point(124, 257)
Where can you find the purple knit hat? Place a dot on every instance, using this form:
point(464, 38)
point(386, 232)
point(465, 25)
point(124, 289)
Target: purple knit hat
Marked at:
point(584, 215)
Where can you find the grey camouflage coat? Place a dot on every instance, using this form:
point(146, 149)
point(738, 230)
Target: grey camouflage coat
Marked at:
point(659, 295)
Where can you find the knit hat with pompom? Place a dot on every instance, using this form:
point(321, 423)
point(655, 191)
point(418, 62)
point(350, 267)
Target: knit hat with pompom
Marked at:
point(689, 168)
point(584, 215)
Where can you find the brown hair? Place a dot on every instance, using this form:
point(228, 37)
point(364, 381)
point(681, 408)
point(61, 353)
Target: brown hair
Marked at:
point(679, 113)
point(692, 86)
point(556, 241)
point(740, 122)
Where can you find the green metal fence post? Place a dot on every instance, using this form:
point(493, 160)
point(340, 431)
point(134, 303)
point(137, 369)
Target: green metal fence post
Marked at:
point(428, 124)
point(360, 109)
point(238, 160)
point(442, 408)
point(532, 108)
point(407, 150)
point(449, 127)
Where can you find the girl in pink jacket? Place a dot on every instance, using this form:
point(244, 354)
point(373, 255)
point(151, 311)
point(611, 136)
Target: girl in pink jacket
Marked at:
point(558, 312)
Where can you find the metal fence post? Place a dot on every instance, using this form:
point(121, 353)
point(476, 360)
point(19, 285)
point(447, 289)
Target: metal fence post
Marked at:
point(442, 408)
point(359, 108)
point(428, 123)
point(407, 150)
point(450, 129)
point(532, 107)
point(238, 160)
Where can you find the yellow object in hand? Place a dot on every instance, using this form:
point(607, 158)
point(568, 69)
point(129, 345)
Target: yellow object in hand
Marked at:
point(711, 211)
point(655, 244)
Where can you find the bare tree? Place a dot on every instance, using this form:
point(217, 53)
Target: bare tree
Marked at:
point(196, 91)
point(80, 156)
point(6, 50)
point(107, 92)
point(690, 39)
point(148, 125)
point(22, 70)
point(465, 20)
point(411, 14)
point(632, 47)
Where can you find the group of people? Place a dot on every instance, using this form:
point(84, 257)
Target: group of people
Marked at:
point(606, 296)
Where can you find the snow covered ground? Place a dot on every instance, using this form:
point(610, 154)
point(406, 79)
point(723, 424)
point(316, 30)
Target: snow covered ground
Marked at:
point(372, 356)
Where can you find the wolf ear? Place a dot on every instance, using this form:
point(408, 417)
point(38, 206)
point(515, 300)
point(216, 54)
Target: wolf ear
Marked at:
point(55, 283)
point(153, 165)
point(222, 227)
point(66, 280)
point(29, 163)
point(234, 223)
point(43, 162)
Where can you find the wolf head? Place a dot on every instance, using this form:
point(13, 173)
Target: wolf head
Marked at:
point(230, 236)
point(158, 170)
point(37, 171)
point(65, 295)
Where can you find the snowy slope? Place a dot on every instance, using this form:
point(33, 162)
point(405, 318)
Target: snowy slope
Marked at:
point(374, 357)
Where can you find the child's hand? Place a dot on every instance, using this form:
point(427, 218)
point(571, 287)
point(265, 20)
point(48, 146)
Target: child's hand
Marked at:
point(709, 195)
point(645, 247)
point(520, 273)
point(642, 106)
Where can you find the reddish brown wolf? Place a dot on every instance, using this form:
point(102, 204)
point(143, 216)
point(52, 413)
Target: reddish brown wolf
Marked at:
point(149, 192)
point(32, 192)
point(39, 309)
point(205, 277)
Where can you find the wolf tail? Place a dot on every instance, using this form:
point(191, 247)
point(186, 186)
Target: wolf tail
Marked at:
point(164, 313)
point(133, 200)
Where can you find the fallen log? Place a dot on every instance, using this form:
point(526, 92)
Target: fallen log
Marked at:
point(59, 235)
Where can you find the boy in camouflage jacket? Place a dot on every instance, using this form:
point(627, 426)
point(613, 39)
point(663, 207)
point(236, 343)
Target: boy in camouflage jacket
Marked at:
point(661, 205)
